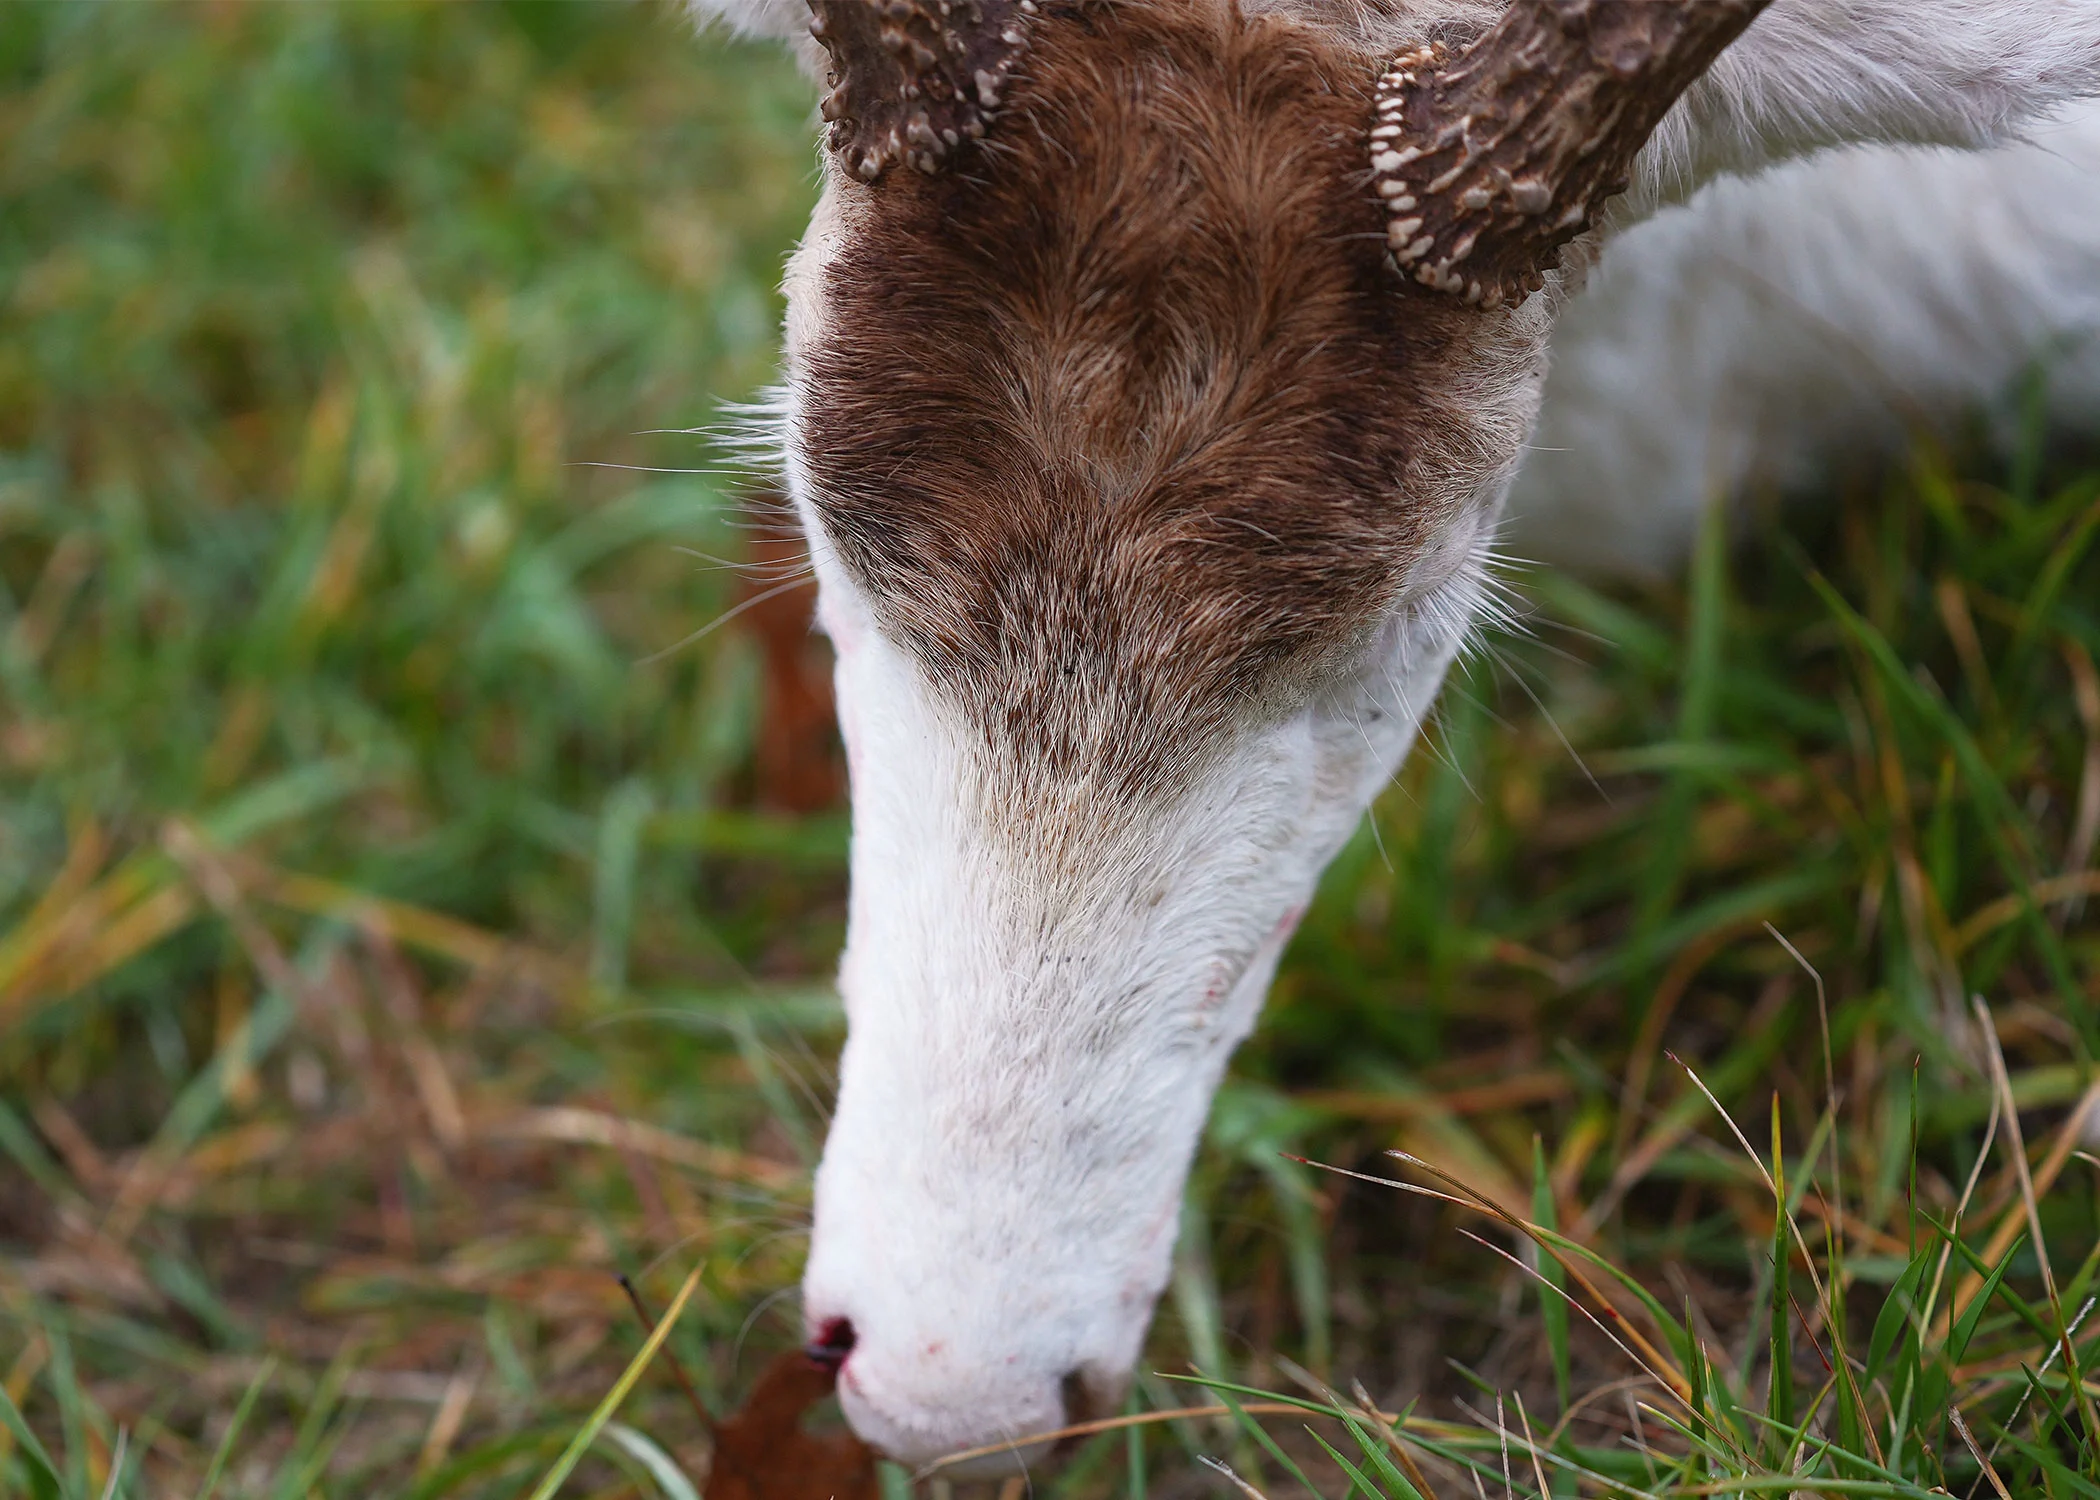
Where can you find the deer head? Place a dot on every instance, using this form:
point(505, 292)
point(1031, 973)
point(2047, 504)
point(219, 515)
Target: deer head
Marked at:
point(1154, 375)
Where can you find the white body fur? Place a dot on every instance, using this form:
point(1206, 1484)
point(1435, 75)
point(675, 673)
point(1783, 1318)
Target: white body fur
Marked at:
point(1033, 1047)
point(1783, 327)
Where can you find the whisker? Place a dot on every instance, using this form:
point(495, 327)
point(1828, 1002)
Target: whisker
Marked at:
point(1554, 724)
point(603, 463)
point(765, 1305)
point(720, 620)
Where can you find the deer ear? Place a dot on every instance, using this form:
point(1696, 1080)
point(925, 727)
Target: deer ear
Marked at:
point(1489, 163)
point(911, 80)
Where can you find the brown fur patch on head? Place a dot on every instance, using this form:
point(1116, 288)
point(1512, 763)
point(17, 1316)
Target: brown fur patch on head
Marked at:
point(1124, 423)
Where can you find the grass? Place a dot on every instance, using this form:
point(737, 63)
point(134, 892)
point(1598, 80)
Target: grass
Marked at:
point(394, 947)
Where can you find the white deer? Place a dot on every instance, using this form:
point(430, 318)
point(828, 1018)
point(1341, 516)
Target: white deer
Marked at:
point(1156, 374)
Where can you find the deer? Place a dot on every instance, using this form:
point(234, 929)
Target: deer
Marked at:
point(1158, 378)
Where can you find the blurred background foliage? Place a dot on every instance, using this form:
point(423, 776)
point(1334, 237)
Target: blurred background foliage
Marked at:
point(405, 924)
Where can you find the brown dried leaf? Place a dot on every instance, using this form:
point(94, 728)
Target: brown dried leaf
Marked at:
point(762, 1453)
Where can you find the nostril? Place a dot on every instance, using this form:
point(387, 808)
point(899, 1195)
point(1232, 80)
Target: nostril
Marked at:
point(832, 1344)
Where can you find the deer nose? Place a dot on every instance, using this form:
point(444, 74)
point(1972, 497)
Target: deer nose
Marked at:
point(921, 1397)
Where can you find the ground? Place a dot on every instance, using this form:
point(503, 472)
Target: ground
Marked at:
point(413, 913)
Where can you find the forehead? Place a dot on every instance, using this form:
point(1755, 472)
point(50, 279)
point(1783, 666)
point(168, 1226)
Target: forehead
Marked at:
point(1119, 423)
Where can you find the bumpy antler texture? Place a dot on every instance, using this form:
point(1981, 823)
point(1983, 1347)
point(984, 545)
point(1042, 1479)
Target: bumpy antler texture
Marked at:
point(912, 79)
point(1491, 163)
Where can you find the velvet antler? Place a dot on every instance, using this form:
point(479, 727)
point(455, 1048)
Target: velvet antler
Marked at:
point(913, 79)
point(1489, 163)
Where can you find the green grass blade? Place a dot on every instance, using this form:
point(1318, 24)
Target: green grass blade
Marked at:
point(2039, 605)
point(1375, 1452)
point(1229, 1394)
point(224, 1453)
point(74, 1417)
point(1984, 783)
point(1965, 1327)
point(1669, 835)
point(28, 1153)
point(603, 1413)
point(30, 1443)
point(614, 872)
point(1359, 1482)
point(1195, 1284)
point(1975, 1262)
point(1553, 1310)
point(2066, 1482)
point(1674, 1332)
point(1898, 1315)
point(644, 1450)
point(1135, 1477)
point(311, 1443)
point(1306, 1244)
point(481, 1460)
point(1779, 1401)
